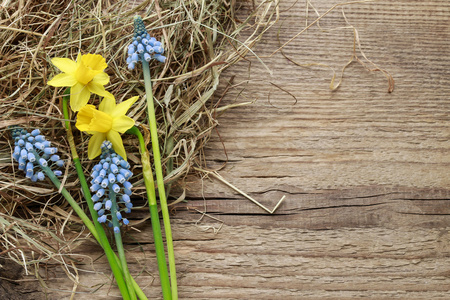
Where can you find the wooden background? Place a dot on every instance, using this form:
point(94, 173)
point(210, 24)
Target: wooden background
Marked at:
point(365, 172)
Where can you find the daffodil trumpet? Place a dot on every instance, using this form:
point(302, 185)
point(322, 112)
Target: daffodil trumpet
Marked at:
point(100, 235)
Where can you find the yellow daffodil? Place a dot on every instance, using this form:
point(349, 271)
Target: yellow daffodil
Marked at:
point(85, 76)
point(105, 124)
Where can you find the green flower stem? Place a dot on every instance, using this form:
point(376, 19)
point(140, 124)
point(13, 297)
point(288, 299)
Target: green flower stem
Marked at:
point(151, 195)
point(160, 178)
point(98, 229)
point(87, 222)
point(119, 244)
point(101, 237)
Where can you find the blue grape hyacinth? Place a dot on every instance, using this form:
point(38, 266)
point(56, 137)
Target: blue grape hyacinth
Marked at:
point(32, 151)
point(143, 47)
point(111, 187)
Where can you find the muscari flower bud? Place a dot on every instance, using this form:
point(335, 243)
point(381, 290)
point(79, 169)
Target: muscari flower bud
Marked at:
point(126, 198)
point(131, 49)
point(98, 205)
point(35, 132)
point(100, 192)
point(40, 176)
point(29, 146)
point(108, 204)
point(40, 138)
point(111, 178)
point(127, 185)
point(22, 163)
point(120, 178)
point(43, 162)
point(94, 174)
point(23, 154)
point(114, 169)
point(105, 183)
point(50, 150)
point(95, 187)
point(150, 49)
point(125, 173)
point(31, 157)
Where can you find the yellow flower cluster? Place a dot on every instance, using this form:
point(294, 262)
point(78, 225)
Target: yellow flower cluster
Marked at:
point(85, 76)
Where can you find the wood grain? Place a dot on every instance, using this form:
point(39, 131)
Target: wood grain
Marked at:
point(250, 262)
point(365, 172)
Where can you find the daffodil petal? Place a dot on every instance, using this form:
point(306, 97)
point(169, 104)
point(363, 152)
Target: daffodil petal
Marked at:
point(95, 142)
point(101, 78)
point(62, 79)
point(79, 96)
point(122, 108)
point(116, 140)
point(99, 89)
point(66, 65)
point(107, 105)
point(122, 124)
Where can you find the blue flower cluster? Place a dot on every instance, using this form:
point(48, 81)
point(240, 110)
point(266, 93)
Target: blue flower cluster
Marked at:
point(111, 186)
point(32, 150)
point(143, 47)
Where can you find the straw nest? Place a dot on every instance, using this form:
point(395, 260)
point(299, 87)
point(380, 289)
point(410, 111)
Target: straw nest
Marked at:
point(200, 38)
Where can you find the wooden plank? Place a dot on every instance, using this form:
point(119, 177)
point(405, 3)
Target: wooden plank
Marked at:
point(365, 172)
point(250, 262)
point(370, 157)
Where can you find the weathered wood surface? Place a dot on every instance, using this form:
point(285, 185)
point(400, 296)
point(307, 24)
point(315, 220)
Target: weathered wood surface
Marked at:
point(365, 172)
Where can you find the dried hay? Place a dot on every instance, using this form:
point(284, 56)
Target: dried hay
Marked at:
point(200, 41)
